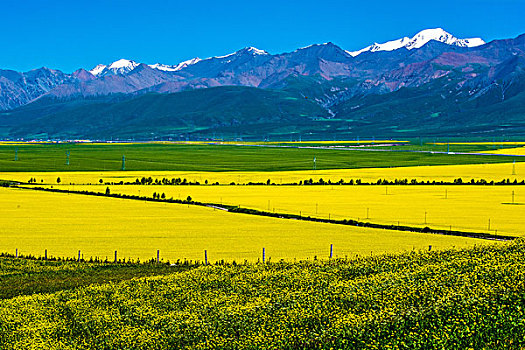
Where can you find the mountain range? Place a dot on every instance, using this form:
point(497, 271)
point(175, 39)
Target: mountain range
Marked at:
point(430, 84)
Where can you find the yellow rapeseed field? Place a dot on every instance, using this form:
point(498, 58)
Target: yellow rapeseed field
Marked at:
point(484, 143)
point(34, 221)
point(495, 172)
point(465, 207)
point(514, 151)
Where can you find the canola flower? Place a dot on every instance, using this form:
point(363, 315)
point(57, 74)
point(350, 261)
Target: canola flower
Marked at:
point(487, 143)
point(62, 224)
point(515, 151)
point(466, 299)
point(491, 209)
point(448, 173)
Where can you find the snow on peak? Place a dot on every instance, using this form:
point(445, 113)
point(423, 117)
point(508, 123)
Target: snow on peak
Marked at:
point(426, 35)
point(176, 67)
point(251, 50)
point(163, 67)
point(187, 63)
point(228, 55)
point(121, 66)
point(419, 40)
point(473, 42)
point(256, 51)
point(98, 69)
point(313, 45)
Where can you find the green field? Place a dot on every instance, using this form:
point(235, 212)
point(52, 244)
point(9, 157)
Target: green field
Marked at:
point(27, 277)
point(108, 157)
point(443, 147)
point(466, 299)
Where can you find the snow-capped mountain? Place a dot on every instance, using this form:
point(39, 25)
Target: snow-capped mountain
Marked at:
point(99, 68)
point(124, 66)
point(163, 67)
point(247, 50)
point(462, 81)
point(120, 67)
point(256, 51)
point(425, 59)
point(419, 40)
point(177, 67)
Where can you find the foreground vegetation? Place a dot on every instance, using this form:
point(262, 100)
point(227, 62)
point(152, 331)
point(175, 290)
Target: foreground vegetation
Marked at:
point(439, 300)
point(28, 275)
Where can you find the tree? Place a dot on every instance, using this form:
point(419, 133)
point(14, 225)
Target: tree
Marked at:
point(100, 181)
point(163, 196)
point(107, 191)
point(189, 199)
point(58, 180)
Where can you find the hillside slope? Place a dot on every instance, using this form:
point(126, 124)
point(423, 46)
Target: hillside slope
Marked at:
point(232, 110)
point(440, 300)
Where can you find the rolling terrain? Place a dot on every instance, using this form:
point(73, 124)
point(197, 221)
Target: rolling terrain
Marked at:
point(78, 269)
point(455, 299)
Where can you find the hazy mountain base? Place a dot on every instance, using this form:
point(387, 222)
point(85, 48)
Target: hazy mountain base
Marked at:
point(228, 110)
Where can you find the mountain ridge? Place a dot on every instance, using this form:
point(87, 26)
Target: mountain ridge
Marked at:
point(246, 67)
point(438, 82)
point(419, 40)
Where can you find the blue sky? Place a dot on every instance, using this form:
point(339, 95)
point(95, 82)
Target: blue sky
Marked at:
point(68, 35)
